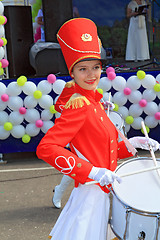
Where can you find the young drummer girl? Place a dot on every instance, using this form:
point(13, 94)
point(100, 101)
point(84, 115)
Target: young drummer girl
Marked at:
point(92, 136)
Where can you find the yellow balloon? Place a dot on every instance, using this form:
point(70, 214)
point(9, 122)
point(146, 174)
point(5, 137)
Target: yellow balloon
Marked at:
point(2, 20)
point(21, 80)
point(100, 90)
point(141, 74)
point(1, 71)
point(52, 109)
point(147, 128)
point(4, 41)
point(26, 138)
point(156, 87)
point(129, 119)
point(37, 94)
point(8, 126)
point(116, 107)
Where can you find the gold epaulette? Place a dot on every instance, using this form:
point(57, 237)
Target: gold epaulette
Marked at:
point(70, 84)
point(76, 101)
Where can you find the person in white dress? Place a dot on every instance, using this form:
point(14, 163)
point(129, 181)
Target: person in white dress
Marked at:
point(137, 42)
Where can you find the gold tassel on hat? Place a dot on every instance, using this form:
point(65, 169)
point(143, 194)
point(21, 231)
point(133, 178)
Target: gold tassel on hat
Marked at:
point(76, 101)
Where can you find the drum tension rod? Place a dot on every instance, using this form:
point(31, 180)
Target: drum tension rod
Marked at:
point(141, 236)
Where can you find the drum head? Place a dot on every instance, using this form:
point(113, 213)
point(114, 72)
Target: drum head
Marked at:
point(116, 119)
point(140, 191)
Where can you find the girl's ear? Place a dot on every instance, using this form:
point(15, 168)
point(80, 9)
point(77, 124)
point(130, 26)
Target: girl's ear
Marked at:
point(72, 76)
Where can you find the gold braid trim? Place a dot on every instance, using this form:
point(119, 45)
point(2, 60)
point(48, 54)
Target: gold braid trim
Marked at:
point(70, 84)
point(101, 105)
point(77, 101)
point(49, 237)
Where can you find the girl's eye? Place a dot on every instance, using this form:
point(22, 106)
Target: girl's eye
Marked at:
point(82, 69)
point(96, 67)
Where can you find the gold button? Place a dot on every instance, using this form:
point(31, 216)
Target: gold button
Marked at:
point(113, 161)
point(102, 119)
point(95, 110)
point(118, 148)
point(112, 151)
point(79, 165)
point(111, 141)
point(73, 175)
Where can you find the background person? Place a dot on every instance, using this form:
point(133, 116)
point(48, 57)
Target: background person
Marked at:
point(137, 42)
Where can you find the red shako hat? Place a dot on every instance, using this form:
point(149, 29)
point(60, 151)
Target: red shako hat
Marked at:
point(79, 40)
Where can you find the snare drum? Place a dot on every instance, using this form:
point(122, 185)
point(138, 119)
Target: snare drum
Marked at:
point(136, 202)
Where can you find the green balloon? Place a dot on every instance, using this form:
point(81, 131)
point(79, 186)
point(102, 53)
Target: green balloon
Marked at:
point(8, 126)
point(129, 120)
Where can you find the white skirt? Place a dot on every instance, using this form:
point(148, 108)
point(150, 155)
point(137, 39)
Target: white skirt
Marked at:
point(85, 215)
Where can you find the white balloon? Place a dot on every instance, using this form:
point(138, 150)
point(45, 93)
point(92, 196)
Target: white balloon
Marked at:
point(46, 101)
point(135, 96)
point(137, 123)
point(151, 122)
point(106, 96)
point(29, 88)
point(46, 115)
point(119, 98)
point(104, 84)
point(133, 83)
point(13, 89)
point(1, 8)
point(127, 128)
point(2, 88)
point(30, 102)
point(135, 110)
point(1, 31)
point(123, 111)
point(58, 86)
point(32, 130)
point(158, 78)
point(3, 133)
point(44, 86)
point(32, 115)
point(56, 98)
point(46, 126)
point(149, 81)
point(14, 103)
point(3, 117)
point(16, 118)
point(57, 115)
point(151, 108)
point(3, 105)
point(1, 53)
point(18, 131)
point(149, 95)
point(119, 83)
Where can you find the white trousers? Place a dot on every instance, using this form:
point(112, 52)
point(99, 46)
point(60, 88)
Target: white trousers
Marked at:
point(85, 215)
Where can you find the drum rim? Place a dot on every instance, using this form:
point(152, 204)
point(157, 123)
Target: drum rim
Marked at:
point(126, 205)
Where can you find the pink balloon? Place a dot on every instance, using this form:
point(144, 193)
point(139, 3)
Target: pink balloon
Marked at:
point(51, 78)
point(39, 123)
point(142, 103)
point(5, 97)
point(1, 42)
point(5, 63)
point(157, 115)
point(110, 69)
point(111, 75)
point(22, 110)
point(127, 91)
point(5, 20)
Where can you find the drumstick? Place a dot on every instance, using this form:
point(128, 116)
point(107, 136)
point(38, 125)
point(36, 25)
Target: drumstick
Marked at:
point(109, 98)
point(150, 147)
point(129, 174)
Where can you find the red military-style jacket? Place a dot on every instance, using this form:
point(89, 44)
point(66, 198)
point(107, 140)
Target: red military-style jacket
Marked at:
point(92, 136)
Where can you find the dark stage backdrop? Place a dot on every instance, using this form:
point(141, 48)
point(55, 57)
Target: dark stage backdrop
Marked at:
point(110, 17)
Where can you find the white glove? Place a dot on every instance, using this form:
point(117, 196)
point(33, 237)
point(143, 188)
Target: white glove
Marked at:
point(143, 142)
point(109, 104)
point(103, 176)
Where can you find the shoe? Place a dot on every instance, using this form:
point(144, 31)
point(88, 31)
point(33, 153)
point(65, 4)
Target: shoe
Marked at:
point(56, 200)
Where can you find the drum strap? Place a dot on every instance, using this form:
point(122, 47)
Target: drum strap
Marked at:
point(128, 144)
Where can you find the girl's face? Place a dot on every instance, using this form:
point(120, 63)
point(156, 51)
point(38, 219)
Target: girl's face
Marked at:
point(87, 74)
